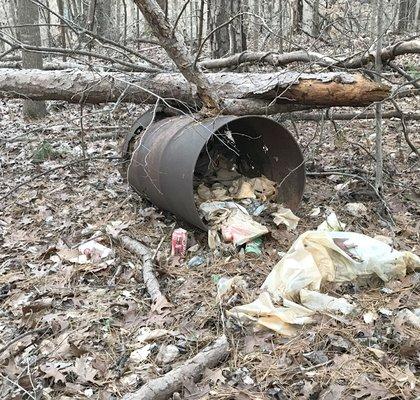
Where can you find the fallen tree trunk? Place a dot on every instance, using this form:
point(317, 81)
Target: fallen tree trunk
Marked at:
point(256, 91)
point(162, 388)
point(347, 116)
point(282, 59)
point(51, 66)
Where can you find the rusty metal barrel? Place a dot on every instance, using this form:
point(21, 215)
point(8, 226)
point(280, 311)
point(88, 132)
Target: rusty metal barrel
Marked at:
point(165, 155)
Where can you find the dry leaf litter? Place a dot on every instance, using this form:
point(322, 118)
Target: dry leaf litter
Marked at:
point(75, 316)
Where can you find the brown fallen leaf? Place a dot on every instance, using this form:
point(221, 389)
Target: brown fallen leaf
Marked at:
point(84, 370)
point(214, 375)
point(371, 390)
point(52, 370)
point(333, 392)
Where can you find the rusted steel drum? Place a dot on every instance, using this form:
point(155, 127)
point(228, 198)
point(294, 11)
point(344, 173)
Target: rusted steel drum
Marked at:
point(165, 156)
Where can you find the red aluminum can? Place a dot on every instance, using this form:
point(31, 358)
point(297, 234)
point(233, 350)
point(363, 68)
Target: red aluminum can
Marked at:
point(179, 242)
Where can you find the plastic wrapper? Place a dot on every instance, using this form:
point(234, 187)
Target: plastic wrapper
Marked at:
point(314, 259)
point(240, 228)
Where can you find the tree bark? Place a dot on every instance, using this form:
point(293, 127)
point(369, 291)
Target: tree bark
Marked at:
point(347, 116)
point(277, 60)
point(62, 36)
point(378, 107)
point(237, 37)
point(163, 387)
point(297, 15)
point(28, 14)
point(255, 90)
point(220, 39)
point(175, 47)
point(315, 18)
point(104, 19)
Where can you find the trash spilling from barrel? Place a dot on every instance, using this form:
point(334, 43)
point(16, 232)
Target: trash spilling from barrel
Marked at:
point(236, 208)
point(235, 177)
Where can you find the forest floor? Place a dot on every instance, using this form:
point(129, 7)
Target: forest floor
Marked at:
point(82, 322)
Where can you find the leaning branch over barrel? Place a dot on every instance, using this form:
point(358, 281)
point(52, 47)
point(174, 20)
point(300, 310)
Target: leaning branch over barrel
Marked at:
point(173, 43)
point(244, 92)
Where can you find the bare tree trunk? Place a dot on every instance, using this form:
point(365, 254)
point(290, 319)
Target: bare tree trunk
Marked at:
point(103, 18)
point(403, 11)
point(237, 37)
point(28, 14)
point(62, 28)
point(200, 24)
point(378, 109)
point(125, 22)
point(291, 88)
point(297, 15)
point(256, 25)
point(47, 15)
point(281, 28)
point(220, 38)
point(315, 18)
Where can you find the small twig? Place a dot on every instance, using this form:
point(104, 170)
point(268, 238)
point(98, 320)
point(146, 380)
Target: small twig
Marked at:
point(404, 126)
point(179, 16)
point(158, 247)
point(112, 281)
point(18, 386)
point(163, 387)
point(145, 254)
point(210, 34)
point(82, 137)
point(17, 338)
point(404, 74)
point(315, 366)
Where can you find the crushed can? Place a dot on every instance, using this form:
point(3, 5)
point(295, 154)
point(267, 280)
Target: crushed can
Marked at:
point(179, 242)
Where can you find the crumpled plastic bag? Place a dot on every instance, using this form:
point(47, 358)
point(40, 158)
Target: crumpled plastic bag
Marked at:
point(315, 258)
point(286, 217)
point(236, 225)
point(254, 188)
point(240, 228)
point(331, 224)
point(226, 287)
point(86, 253)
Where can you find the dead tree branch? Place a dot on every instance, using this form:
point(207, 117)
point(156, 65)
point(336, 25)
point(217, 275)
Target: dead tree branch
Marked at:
point(282, 59)
point(348, 116)
point(72, 52)
point(145, 254)
point(162, 388)
point(404, 126)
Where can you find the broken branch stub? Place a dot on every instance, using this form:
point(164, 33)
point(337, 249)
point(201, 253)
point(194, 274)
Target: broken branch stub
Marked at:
point(171, 153)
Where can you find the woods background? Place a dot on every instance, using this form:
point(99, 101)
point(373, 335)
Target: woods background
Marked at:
point(342, 76)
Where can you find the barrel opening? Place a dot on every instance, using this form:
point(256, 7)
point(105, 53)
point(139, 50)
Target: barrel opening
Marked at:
point(177, 153)
point(253, 146)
